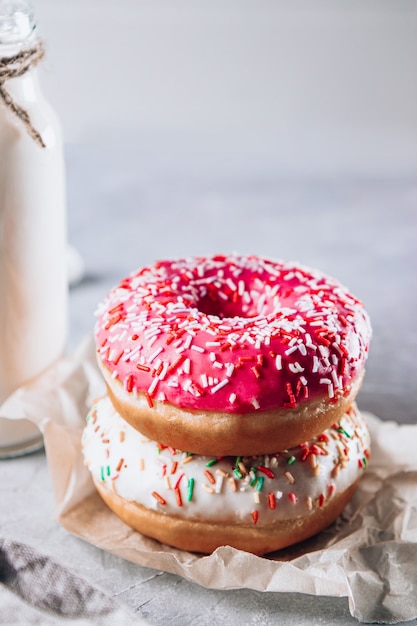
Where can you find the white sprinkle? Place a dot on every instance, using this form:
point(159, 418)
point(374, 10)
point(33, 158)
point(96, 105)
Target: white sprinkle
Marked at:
point(186, 386)
point(257, 497)
point(219, 484)
point(316, 364)
point(302, 349)
point(218, 365)
point(291, 350)
point(309, 342)
point(153, 385)
point(325, 381)
point(197, 348)
point(278, 362)
point(232, 398)
point(187, 342)
point(295, 367)
point(204, 380)
point(220, 385)
point(229, 369)
point(279, 495)
point(186, 366)
point(155, 354)
point(303, 381)
point(255, 403)
point(324, 351)
point(152, 340)
point(231, 284)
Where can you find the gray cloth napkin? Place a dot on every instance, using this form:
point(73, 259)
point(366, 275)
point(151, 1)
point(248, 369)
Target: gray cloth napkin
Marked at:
point(36, 590)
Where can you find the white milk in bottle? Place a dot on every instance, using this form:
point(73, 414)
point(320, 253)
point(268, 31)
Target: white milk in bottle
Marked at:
point(33, 281)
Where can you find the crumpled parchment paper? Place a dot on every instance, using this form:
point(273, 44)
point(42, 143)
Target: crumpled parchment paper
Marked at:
point(368, 555)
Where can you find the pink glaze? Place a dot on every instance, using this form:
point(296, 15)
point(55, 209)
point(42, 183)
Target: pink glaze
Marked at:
point(232, 334)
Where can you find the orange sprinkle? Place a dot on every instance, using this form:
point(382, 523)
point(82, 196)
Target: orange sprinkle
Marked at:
point(210, 477)
point(255, 516)
point(120, 465)
point(174, 467)
point(158, 497)
point(271, 501)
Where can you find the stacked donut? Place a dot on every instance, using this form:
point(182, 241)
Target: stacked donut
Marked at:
point(230, 415)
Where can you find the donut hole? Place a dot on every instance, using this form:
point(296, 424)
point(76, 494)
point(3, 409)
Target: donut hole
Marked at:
point(233, 307)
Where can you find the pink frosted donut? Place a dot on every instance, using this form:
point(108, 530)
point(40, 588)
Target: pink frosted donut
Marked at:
point(231, 354)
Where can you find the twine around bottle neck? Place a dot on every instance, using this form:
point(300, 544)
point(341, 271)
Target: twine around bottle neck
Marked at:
point(14, 67)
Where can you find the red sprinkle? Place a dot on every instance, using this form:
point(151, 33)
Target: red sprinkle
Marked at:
point(179, 479)
point(271, 501)
point(255, 516)
point(143, 368)
point(148, 400)
point(129, 383)
point(265, 470)
point(178, 496)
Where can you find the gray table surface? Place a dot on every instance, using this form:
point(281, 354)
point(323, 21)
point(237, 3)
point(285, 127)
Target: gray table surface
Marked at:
point(130, 203)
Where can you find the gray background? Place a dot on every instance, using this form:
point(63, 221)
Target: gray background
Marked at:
point(282, 129)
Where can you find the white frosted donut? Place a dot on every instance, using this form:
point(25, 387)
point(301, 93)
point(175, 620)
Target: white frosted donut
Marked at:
point(230, 354)
point(197, 503)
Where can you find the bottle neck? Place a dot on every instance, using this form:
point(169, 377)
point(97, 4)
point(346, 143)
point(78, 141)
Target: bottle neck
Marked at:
point(17, 27)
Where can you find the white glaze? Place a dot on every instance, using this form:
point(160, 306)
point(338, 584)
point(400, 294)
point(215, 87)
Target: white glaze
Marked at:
point(146, 469)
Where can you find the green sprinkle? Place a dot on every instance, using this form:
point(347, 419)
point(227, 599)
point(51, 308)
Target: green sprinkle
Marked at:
point(364, 461)
point(108, 470)
point(291, 460)
point(260, 483)
point(190, 489)
point(343, 432)
point(253, 481)
point(102, 476)
point(211, 462)
point(237, 473)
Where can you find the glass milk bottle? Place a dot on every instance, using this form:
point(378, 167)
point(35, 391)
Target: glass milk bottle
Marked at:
point(33, 281)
